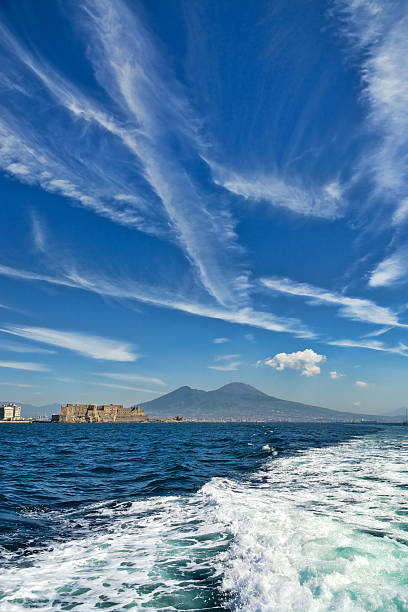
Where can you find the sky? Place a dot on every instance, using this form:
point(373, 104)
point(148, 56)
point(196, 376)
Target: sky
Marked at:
point(195, 193)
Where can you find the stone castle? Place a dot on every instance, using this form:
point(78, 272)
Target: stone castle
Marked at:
point(105, 413)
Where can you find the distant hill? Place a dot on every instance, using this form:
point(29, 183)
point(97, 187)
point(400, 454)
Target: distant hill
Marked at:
point(238, 401)
point(400, 412)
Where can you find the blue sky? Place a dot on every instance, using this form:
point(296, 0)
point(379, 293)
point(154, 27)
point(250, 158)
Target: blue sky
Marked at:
point(201, 192)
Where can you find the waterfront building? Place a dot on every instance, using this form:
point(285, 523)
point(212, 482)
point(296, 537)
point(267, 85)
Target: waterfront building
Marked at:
point(10, 412)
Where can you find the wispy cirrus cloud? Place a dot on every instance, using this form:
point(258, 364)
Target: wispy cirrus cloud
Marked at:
point(226, 363)
point(24, 348)
point(132, 378)
point(226, 357)
point(391, 270)
point(133, 73)
point(377, 332)
point(221, 340)
point(126, 387)
point(356, 309)
point(377, 32)
point(374, 345)
point(95, 347)
point(151, 114)
point(324, 201)
point(23, 365)
point(38, 232)
point(19, 385)
point(127, 289)
point(228, 367)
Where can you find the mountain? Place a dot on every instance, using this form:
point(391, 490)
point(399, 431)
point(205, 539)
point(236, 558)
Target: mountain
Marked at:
point(400, 412)
point(237, 401)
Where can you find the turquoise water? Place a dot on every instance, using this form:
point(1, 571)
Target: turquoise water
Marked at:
point(200, 517)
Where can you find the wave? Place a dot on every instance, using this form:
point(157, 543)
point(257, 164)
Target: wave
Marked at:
point(324, 529)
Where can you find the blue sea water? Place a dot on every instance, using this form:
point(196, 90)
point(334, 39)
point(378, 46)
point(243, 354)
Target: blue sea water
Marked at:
point(183, 516)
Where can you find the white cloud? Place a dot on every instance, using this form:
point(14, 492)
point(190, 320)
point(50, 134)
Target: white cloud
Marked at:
point(323, 201)
point(377, 29)
point(306, 361)
point(334, 190)
point(131, 290)
point(132, 378)
point(334, 375)
point(19, 385)
point(249, 337)
point(360, 383)
point(151, 112)
point(356, 404)
point(89, 346)
point(226, 367)
point(126, 387)
point(18, 169)
point(377, 332)
point(374, 345)
point(221, 340)
point(38, 233)
point(25, 348)
point(133, 73)
point(225, 357)
point(229, 367)
point(21, 365)
point(401, 212)
point(390, 270)
point(357, 309)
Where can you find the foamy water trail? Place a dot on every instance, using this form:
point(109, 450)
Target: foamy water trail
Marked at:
point(325, 529)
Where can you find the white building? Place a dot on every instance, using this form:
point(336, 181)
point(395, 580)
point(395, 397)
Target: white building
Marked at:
point(10, 412)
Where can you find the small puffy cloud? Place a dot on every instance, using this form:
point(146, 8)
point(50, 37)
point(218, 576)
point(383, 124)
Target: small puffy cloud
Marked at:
point(220, 340)
point(356, 403)
point(360, 383)
point(249, 337)
point(334, 375)
point(306, 361)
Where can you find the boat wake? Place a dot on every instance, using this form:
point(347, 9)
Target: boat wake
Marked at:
point(323, 529)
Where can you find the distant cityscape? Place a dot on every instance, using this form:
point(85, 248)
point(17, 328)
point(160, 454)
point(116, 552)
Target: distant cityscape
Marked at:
point(85, 413)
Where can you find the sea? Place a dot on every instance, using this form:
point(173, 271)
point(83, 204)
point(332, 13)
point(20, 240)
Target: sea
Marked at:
point(204, 516)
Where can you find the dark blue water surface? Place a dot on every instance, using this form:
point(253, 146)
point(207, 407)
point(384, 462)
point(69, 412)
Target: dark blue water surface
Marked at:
point(52, 474)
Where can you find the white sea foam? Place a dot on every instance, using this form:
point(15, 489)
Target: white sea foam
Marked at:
point(325, 529)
